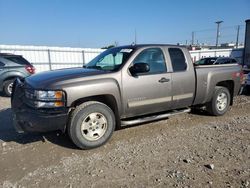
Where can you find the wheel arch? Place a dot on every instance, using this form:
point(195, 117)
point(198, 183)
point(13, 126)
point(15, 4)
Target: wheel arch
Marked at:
point(229, 84)
point(106, 99)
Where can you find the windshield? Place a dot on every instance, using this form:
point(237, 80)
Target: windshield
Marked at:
point(111, 59)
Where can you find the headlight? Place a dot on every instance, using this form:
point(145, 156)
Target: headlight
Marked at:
point(49, 95)
point(45, 99)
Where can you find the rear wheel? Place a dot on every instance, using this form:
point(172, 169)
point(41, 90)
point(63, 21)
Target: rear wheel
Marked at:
point(7, 87)
point(219, 104)
point(91, 125)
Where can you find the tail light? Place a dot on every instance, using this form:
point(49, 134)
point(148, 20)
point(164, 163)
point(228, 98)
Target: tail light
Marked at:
point(30, 69)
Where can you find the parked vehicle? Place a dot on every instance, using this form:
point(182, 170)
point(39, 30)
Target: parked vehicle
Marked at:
point(216, 60)
point(122, 86)
point(12, 67)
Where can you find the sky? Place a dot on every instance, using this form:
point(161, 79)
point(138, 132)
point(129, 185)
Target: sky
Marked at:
point(98, 23)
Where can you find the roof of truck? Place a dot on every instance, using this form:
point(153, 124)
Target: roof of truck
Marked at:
point(146, 45)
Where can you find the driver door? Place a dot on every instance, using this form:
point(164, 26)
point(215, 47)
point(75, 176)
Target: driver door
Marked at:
point(148, 92)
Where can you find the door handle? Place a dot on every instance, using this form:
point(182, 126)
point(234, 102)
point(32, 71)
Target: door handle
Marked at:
point(162, 80)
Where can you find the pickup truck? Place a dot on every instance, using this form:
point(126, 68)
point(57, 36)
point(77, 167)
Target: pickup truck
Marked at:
point(122, 86)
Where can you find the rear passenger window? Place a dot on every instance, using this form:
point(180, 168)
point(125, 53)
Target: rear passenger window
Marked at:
point(178, 59)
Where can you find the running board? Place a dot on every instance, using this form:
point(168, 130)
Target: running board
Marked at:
point(154, 117)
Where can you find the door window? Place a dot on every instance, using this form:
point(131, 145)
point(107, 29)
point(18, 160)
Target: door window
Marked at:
point(154, 57)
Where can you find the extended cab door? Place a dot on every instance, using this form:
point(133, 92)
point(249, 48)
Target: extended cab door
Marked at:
point(147, 92)
point(183, 77)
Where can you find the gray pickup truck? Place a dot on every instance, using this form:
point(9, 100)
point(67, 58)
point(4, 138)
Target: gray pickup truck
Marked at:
point(122, 86)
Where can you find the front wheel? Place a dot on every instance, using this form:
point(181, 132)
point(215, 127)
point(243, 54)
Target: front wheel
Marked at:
point(219, 104)
point(91, 125)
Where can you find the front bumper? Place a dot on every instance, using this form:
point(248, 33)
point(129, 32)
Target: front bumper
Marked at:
point(31, 121)
point(27, 119)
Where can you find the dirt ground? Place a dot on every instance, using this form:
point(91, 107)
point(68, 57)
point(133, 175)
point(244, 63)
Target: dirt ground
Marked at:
point(189, 150)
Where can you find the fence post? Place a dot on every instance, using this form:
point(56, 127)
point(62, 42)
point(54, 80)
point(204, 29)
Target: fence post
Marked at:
point(49, 59)
point(83, 57)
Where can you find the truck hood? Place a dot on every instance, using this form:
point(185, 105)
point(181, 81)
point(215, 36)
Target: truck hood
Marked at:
point(45, 79)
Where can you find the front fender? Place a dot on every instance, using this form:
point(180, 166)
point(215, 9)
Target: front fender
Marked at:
point(106, 86)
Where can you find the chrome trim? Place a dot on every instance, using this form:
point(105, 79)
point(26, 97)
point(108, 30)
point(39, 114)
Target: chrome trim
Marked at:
point(154, 117)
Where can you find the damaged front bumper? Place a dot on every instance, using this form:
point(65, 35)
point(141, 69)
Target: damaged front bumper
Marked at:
point(27, 119)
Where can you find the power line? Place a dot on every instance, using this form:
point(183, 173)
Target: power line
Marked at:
point(213, 29)
point(225, 33)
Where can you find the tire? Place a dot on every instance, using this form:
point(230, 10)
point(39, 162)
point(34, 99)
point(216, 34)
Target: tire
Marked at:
point(220, 102)
point(7, 87)
point(91, 125)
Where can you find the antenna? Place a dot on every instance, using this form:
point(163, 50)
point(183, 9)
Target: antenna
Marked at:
point(135, 37)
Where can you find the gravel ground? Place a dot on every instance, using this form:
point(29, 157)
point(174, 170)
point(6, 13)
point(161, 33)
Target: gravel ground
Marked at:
point(189, 150)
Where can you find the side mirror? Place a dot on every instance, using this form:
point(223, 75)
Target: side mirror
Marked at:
point(139, 68)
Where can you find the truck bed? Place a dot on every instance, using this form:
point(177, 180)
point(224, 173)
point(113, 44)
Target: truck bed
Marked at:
point(210, 76)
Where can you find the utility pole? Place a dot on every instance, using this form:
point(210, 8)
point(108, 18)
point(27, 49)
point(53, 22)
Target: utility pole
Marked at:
point(218, 32)
point(192, 38)
point(237, 38)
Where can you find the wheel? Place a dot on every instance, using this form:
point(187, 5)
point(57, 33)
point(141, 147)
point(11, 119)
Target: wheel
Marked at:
point(7, 87)
point(220, 102)
point(91, 125)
